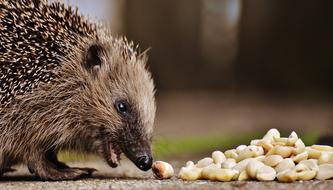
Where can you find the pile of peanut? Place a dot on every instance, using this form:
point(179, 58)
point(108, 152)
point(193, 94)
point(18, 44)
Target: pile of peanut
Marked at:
point(286, 159)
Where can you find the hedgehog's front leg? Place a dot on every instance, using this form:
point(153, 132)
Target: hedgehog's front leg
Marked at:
point(51, 155)
point(46, 170)
point(5, 163)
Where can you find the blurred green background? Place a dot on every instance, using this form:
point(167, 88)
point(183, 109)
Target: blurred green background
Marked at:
point(228, 70)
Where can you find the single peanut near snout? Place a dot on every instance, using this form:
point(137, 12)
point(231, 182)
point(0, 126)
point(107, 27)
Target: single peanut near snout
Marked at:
point(162, 170)
point(285, 159)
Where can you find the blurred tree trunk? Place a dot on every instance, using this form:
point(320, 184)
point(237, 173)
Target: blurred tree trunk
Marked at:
point(286, 46)
point(194, 42)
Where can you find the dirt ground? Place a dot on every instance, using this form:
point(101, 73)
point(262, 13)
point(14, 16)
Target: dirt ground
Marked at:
point(110, 184)
point(108, 179)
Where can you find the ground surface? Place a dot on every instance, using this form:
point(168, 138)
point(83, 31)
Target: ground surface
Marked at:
point(107, 179)
point(106, 184)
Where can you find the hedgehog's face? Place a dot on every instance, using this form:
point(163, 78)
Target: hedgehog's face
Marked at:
point(123, 94)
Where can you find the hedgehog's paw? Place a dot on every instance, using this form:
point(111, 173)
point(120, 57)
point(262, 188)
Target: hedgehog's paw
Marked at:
point(73, 173)
point(48, 171)
point(65, 174)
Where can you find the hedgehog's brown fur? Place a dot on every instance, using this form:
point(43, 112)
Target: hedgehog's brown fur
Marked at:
point(34, 37)
point(60, 86)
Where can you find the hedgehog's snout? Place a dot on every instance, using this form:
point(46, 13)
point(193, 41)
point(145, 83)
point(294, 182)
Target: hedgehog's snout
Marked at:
point(140, 154)
point(138, 150)
point(144, 162)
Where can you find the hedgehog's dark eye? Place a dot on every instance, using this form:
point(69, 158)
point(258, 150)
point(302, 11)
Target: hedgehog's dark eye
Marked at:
point(122, 107)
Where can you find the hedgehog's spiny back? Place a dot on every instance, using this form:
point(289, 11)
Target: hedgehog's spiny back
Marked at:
point(34, 38)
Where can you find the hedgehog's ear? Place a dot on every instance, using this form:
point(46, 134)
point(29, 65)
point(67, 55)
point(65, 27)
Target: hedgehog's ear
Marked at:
point(93, 57)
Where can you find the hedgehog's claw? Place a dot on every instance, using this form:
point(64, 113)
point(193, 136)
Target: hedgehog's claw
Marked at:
point(88, 170)
point(9, 170)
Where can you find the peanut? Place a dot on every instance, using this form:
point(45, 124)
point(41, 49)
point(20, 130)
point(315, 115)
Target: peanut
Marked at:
point(287, 176)
point(218, 157)
point(249, 152)
point(301, 168)
point(245, 154)
point(322, 147)
point(228, 163)
point(313, 153)
point(280, 140)
point(260, 151)
point(260, 158)
point(243, 176)
point(325, 158)
point(271, 134)
point(272, 160)
point(284, 151)
point(252, 168)
point(189, 164)
point(209, 172)
point(292, 139)
point(266, 144)
point(225, 174)
point(311, 164)
point(266, 173)
point(241, 166)
point(231, 154)
point(162, 170)
point(306, 175)
point(299, 146)
point(240, 148)
point(204, 162)
point(300, 157)
point(190, 173)
point(303, 172)
point(325, 172)
point(255, 142)
point(285, 164)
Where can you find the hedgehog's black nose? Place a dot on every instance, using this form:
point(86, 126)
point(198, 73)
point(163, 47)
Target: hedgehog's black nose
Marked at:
point(144, 162)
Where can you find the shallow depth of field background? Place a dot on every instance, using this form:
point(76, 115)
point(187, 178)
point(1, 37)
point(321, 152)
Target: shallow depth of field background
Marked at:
point(228, 70)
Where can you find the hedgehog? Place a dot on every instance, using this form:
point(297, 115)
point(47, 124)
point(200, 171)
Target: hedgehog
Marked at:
point(67, 84)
